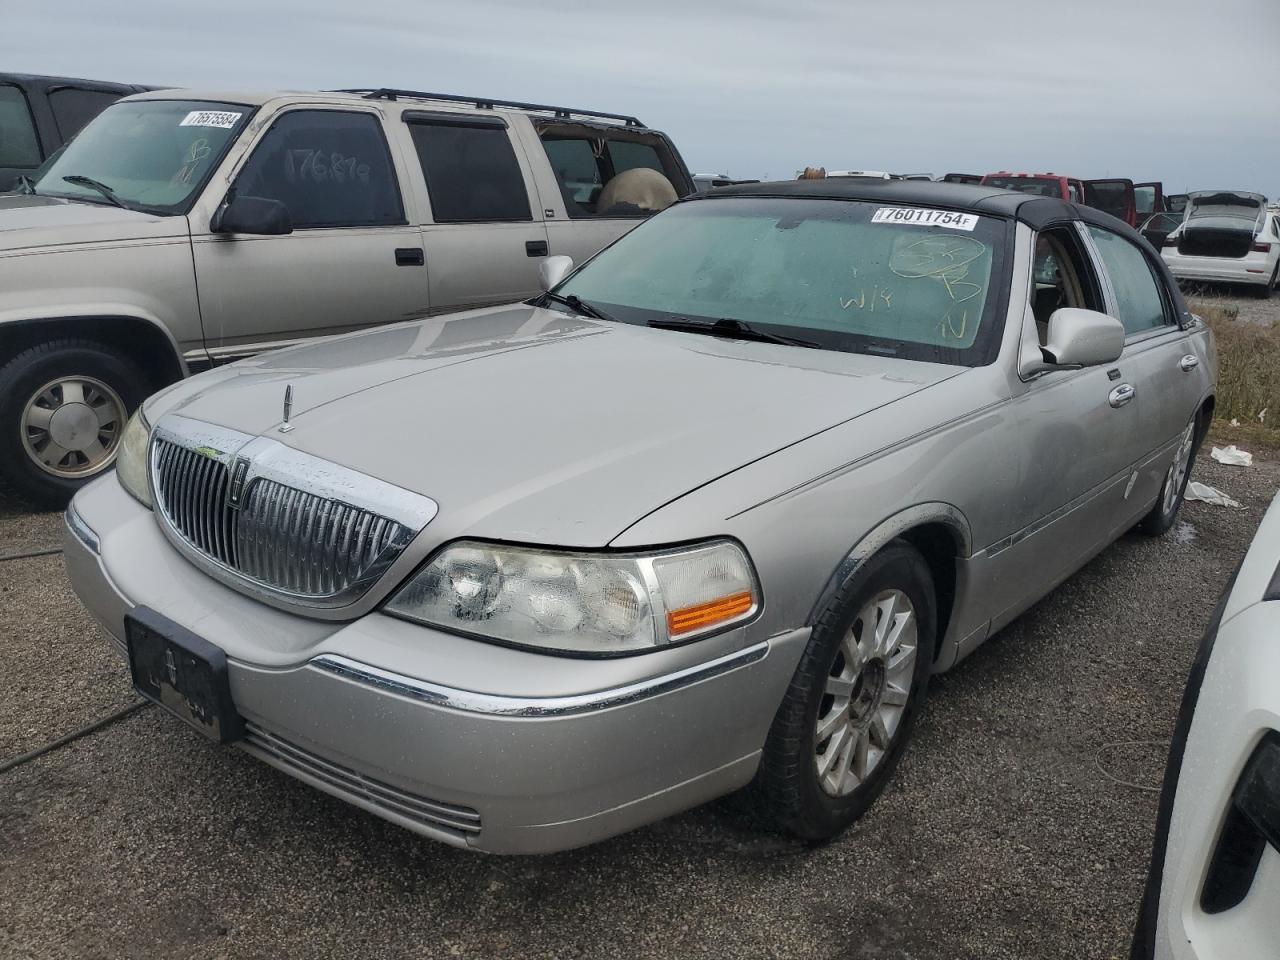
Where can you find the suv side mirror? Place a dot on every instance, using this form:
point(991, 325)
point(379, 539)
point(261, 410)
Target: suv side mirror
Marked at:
point(554, 269)
point(1082, 338)
point(256, 215)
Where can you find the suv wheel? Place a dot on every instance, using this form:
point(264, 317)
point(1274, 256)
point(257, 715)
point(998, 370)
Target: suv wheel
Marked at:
point(63, 409)
point(847, 714)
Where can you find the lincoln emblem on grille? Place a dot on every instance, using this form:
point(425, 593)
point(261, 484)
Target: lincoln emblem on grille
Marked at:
point(235, 489)
point(288, 408)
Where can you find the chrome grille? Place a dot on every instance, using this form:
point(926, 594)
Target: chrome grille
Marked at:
point(351, 785)
point(297, 543)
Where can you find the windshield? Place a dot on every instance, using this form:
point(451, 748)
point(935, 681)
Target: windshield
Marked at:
point(848, 275)
point(152, 155)
point(1040, 186)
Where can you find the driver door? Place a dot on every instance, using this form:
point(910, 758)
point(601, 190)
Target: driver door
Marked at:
point(353, 258)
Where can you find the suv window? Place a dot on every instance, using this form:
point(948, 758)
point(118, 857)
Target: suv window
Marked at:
point(18, 144)
point(73, 107)
point(583, 166)
point(329, 167)
point(471, 170)
point(1138, 292)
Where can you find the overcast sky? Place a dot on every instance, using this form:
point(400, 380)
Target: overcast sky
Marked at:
point(1184, 91)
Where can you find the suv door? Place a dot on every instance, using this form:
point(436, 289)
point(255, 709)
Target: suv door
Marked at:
point(353, 258)
point(485, 238)
point(1114, 197)
point(19, 144)
point(1148, 198)
point(1165, 362)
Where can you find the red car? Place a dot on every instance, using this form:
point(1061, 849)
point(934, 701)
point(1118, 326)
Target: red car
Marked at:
point(1116, 196)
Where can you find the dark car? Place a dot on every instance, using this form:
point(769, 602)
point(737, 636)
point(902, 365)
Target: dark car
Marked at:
point(39, 114)
point(1156, 228)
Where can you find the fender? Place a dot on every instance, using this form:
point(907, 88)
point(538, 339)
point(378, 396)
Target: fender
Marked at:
point(885, 531)
point(95, 311)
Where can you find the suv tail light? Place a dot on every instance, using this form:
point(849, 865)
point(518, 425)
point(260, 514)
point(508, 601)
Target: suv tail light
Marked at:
point(1262, 248)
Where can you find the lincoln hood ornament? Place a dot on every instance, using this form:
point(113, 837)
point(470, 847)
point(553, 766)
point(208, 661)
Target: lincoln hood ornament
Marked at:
point(288, 408)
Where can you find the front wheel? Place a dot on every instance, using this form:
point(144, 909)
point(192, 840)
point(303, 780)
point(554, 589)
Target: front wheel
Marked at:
point(1165, 510)
point(848, 712)
point(63, 409)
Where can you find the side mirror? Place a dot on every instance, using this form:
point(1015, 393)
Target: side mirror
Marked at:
point(256, 215)
point(1083, 338)
point(554, 269)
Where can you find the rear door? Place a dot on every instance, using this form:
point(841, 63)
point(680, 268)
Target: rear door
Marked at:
point(353, 258)
point(20, 151)
point(485, 236)
point(1115, 197)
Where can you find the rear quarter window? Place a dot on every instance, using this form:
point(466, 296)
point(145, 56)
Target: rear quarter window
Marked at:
point(18, 144)
point(73, 107)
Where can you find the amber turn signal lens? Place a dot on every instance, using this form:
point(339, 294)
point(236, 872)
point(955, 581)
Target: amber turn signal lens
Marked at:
point(708, 614)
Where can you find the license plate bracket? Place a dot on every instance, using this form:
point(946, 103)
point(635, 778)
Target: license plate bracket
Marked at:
point(182, 672)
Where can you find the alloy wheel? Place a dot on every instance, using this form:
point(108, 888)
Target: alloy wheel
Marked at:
point(71, 426)
point(866, 693)
point(1178, 469)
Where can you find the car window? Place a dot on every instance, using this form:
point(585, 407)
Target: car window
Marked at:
point(1061, 277)
point(153, 154)
point(330, 168)
point(18, 144)
point(1144, 199)
point(843, 274)
point(472, 172)
point(586, 165)
point(73, 107)
point(1139, 299)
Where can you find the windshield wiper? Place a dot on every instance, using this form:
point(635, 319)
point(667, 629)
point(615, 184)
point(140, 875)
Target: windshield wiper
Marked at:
point(727, 327)
point(98, 185)
point(578, 305)
point(26, 185)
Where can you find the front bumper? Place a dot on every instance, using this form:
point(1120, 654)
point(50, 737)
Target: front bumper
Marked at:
point(470, 743)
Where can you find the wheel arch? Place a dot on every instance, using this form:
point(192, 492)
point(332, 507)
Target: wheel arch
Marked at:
point(141, 337)
point(938, 530)
point(1206, 416)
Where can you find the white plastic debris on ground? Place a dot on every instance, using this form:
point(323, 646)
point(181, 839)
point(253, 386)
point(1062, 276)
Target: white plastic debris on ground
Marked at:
point(1235, 422)
point(1207, 494)
point(1232, 456)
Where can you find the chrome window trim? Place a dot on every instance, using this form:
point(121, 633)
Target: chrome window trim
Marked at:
point(270, 459)
point(471, 701)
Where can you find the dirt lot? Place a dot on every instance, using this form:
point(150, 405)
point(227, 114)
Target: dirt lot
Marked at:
point(1019, 824)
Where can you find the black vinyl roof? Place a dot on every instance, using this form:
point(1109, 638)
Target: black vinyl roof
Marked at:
point(1033, 210)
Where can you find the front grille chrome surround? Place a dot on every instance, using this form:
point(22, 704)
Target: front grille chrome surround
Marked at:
point(274, 522)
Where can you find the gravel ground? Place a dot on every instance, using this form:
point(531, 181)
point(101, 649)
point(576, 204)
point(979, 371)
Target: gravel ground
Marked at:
point(1019, 824)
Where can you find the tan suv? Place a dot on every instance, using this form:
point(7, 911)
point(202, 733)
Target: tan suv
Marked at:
point(181, 229)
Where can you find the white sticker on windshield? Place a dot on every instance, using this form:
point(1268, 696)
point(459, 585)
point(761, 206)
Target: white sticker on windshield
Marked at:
point(222, 119)
point(926, 218)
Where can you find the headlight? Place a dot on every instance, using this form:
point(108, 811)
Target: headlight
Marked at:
point(131, 458)
point(582, 602)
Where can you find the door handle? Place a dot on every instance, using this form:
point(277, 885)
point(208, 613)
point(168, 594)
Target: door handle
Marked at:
point(1189, 362)
point(1121, 395)
point(409, 257)
point(535, 248)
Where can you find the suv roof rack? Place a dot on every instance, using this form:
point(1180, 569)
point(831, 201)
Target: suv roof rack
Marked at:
point(486, 103)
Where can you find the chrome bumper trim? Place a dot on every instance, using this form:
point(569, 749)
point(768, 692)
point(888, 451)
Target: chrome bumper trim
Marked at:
point(81, 530)
point(470, 701)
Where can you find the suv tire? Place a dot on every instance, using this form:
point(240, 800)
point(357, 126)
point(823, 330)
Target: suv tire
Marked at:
point(848, 708)
point(78, 392)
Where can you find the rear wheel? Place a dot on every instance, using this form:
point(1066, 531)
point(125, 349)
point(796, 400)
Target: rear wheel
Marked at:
point(848, 712)
point(1165, 510)
point(63, 409)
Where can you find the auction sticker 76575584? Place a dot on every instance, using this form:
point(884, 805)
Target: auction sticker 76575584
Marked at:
point(925, 218)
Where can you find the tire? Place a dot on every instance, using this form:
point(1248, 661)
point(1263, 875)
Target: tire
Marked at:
point(1165, 510)
point(796, 795)
point(74, 391)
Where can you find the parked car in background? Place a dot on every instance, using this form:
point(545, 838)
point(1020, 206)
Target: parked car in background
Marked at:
point(1116, 197)
point(38, 114)
point(1176, 202)
point(972, 178)
point(185, 228)
point(861, 174)
point(1214, 881)
point(455, 572)
point(1156, 228)
point(706, 181)
point(1226, 236)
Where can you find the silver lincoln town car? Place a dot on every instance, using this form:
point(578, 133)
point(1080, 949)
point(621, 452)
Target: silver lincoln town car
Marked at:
point(706, 514)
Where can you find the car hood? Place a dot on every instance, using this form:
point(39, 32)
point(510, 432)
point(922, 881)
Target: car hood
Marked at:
point(527, 424)
point(28, 221)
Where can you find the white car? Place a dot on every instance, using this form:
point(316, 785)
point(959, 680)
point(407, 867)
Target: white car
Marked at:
point(1213, 892)
point(1226, 237)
